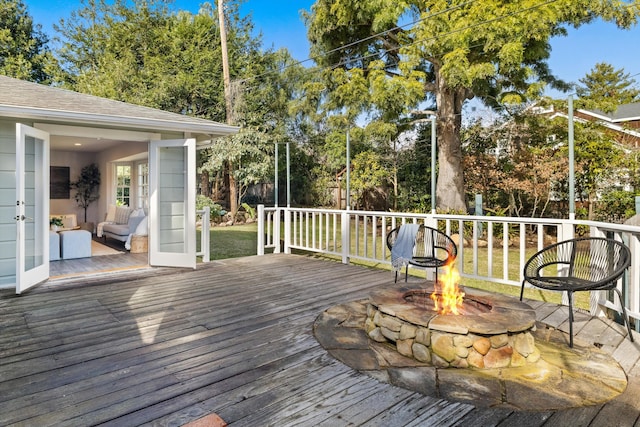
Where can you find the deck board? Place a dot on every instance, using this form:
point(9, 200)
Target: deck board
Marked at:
point(233, 337)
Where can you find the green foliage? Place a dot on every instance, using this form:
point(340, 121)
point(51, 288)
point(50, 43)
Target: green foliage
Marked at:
point(56, 220)
point(24, 53)
point(250, 210)
point(139, 52)
point(414, 174)
point(368, 175)
point(250, 152)
point(215, 210)
point(615, 206)
point(605, 88)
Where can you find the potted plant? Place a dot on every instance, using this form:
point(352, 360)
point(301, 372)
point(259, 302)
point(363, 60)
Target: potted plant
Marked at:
point(55, 222)
point(86, 188)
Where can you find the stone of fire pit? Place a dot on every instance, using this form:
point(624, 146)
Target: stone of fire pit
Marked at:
point(491, 331)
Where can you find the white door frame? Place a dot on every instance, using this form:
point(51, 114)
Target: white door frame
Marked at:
point(32, 207)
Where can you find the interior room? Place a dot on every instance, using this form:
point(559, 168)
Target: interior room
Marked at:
point(80, 245)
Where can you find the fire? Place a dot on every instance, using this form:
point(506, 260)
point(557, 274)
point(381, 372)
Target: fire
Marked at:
point(447, 297)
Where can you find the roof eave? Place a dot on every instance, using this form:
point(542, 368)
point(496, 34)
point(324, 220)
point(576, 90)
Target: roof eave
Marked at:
point(109, 120)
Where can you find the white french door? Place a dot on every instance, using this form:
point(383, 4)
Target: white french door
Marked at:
point(172, 203)
point(32, 207)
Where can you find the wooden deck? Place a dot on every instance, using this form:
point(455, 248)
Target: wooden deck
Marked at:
point(234, 337)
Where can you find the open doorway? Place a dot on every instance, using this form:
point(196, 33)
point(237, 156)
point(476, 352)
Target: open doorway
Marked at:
point(122, 160)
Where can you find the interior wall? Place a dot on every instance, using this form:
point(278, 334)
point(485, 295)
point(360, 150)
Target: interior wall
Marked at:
point(75, 161)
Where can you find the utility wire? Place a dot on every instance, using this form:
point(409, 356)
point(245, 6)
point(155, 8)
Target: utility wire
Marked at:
point(423, 40)
point(384, 51)
point(354, 43)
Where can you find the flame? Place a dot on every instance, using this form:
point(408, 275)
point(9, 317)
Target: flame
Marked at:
point(447, 297)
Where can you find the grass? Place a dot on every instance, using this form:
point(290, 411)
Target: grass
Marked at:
point(241, 240)
point(232, 242)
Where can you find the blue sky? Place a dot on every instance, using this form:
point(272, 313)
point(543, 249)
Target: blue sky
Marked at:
point(281, 25)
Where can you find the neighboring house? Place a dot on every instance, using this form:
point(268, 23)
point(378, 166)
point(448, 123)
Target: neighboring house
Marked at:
point(146, 159)
point(623, 124)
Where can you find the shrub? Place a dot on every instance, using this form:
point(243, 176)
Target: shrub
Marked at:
point(214, 208)
point(615, 206)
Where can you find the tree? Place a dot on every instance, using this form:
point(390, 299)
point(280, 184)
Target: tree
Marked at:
point(144, 54)
point(605, 88)
point(451, 52)
point(246, 150)
point(599, 163)
point(24, 53)
point(87, 187)
point(515, 164)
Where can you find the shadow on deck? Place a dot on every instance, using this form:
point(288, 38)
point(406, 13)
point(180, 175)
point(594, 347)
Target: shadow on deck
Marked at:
point(234, 337)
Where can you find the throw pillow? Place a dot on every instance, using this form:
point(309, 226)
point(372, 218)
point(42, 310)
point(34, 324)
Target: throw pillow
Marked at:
point(122, 214)
point(111, 214)
point(143, 228)
point(137, 212)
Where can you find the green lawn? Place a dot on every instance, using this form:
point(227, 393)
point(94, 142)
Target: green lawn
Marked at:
point(241, 240)
point(232, 242)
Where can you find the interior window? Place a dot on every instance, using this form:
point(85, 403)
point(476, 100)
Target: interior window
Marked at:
point(123, 185)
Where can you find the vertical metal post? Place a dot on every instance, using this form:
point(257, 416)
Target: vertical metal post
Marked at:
point(288, 176)
point(478, 212)
point(433, 164)
point(348, 196)
point(572, 195)
point(638, 204)
point(276, 189)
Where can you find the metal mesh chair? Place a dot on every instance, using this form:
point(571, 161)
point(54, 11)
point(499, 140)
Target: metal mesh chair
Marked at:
point(432, 249)
point(584, 264)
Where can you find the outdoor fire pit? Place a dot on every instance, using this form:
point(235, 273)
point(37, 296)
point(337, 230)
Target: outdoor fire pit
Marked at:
point(487, 331)
point(419, 338)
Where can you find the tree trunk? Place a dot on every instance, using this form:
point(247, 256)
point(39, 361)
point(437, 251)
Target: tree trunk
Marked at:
point(233, 194)
point(204, 183)
point(450, 184)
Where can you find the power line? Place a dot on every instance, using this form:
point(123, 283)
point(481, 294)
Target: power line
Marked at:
point(384, 51)
point(337, 49)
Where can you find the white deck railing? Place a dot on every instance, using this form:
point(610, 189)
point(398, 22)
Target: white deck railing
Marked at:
point(361, 235)
point(205, 247)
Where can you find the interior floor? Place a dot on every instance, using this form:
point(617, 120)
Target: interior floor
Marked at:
point(98, 264)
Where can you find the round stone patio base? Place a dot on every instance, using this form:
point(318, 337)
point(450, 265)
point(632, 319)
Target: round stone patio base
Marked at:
point(561, 378)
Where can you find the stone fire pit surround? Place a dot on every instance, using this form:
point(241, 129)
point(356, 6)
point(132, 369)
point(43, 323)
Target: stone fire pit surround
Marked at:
point(492, 332)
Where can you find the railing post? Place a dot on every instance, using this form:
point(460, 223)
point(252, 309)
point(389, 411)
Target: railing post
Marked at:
point(287, 231)
point(431, 221)
point(566, 231)
point(276, 231)
point(634, 275)
point(346, 236)
point(261, 228)
point(205, 236)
